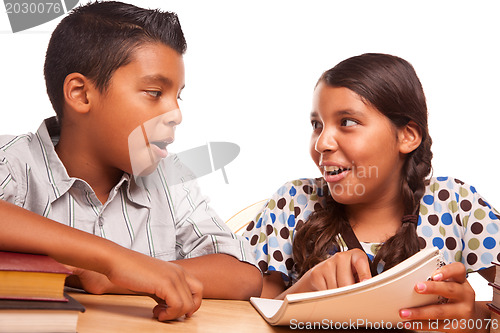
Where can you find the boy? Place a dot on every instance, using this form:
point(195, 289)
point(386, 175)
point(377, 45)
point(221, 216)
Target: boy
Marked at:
point(114, 71)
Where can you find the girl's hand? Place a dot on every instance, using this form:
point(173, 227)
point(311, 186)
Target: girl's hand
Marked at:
point(342, 269)
point(449, 282)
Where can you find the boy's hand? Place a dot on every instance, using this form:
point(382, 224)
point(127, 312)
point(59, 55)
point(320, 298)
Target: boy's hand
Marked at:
point(181, 293)
point(342, 269)
point(451, 283)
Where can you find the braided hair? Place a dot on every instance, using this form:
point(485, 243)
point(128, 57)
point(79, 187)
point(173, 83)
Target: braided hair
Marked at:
point(391, 85)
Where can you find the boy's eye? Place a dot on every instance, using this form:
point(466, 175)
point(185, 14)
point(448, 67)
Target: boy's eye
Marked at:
point(348, 122)
point(315, 124)
point(154, 93)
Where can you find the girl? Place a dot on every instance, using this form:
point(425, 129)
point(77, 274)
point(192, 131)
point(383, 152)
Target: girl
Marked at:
point(375, 204)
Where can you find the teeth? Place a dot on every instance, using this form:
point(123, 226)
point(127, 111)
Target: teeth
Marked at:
point(331, 168)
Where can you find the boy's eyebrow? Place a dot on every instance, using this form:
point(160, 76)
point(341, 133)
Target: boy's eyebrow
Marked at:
point(156, 78)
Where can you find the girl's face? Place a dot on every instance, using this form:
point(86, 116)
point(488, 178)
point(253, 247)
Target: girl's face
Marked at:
point(356, 148)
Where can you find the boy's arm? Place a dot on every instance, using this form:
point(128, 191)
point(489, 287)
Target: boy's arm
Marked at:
point(224, 276)
point(25, 231)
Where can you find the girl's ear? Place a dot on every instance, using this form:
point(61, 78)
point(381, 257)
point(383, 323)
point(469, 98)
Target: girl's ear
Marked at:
point(76, 89)
point(410, 137)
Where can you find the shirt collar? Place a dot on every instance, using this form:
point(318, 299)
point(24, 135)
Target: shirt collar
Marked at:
point(48, 135)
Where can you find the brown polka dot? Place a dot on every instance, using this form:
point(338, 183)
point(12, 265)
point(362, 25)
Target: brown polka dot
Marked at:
point(498, 257)
point(458, 181)
point(465, 205)
point(254, 240)
point(459, 222)
point(277, 255)
point(307, 189)
point(269, 229)
point(284, 233)
point(433, 219)
point(451, 243)
point(422, 243)
point(289, 263)
point(281, 203)
point(317, 206)
point(482, 202)
point(263, 266)
point(476, 228)
point(297, 211)
point(250, 225)
point(443, 195)
point(471, 258)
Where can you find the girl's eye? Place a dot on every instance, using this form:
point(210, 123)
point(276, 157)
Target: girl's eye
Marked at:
point(153, 93)
point(315, 124)
point(348, 122)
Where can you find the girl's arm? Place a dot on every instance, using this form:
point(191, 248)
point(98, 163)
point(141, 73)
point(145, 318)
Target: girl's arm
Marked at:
point(25, 231)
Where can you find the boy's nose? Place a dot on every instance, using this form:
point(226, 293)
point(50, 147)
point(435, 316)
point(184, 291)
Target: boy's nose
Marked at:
point(172, 118)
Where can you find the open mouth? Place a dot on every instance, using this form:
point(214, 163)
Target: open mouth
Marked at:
point(334, 170)
point(160, 144)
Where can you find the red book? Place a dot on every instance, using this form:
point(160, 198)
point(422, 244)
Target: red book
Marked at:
point(31, 276)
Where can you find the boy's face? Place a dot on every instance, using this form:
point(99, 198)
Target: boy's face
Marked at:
point(135, 117)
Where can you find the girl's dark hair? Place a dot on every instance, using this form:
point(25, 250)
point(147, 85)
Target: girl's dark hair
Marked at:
point(98, 38)
point(391, 85)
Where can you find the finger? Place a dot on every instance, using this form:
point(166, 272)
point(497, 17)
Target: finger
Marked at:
point(361, 265)
point(344, 272)
point(455, 272)
point(437, 311)
point(196, 288)
point(448, 289)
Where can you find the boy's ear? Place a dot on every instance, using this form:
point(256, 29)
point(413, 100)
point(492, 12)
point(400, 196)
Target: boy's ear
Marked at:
point(410, 137)
point(76, 89)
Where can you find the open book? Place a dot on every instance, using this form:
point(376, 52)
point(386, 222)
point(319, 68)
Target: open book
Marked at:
point(375, 300)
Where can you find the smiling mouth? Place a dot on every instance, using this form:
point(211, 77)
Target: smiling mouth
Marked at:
point(160, 144)
point(334, 170)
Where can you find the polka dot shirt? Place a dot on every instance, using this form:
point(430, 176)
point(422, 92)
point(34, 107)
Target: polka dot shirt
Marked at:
point(453, 217)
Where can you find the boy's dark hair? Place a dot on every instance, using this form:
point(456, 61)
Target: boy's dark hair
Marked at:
point(98, 38)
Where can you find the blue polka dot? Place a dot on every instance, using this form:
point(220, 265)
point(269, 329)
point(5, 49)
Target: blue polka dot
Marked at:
point(438, 242)
point(487, 204)
point(419, 220)
point(271, 268)
point(489, 243)
point(282, 218)
point(457, 197)
point(486, 258)
point(428, 199)
point(437, 207)
point(445, 256)
point(455, 231)
point(446, 218)
point(264, 249)
point(282, 268)
point(257, 254)
point(427, 231)
point(273, 242)
point(492, 228)
point(473, 189)
point(463, 244)
point(292, 191)
point(302, 199)
point(450, 184)
point(370, 256)
point(259, 223)
point(441, 179)
point(306, 214)
point(265, 218)
point(287, 248)
point(282, 190)
point(273, 217)
point(492, 216)
point(291, 221)
point(285, 277)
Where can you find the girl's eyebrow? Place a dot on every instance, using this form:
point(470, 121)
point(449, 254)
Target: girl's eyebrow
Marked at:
point(314, 114)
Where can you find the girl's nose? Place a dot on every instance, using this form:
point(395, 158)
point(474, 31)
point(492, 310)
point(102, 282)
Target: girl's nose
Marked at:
point(326, 142)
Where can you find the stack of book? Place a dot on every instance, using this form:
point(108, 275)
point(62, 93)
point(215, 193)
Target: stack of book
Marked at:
point(32, 297)
point(495, 302)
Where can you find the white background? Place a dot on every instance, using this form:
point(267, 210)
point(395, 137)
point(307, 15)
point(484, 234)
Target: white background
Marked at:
point(251, 67)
